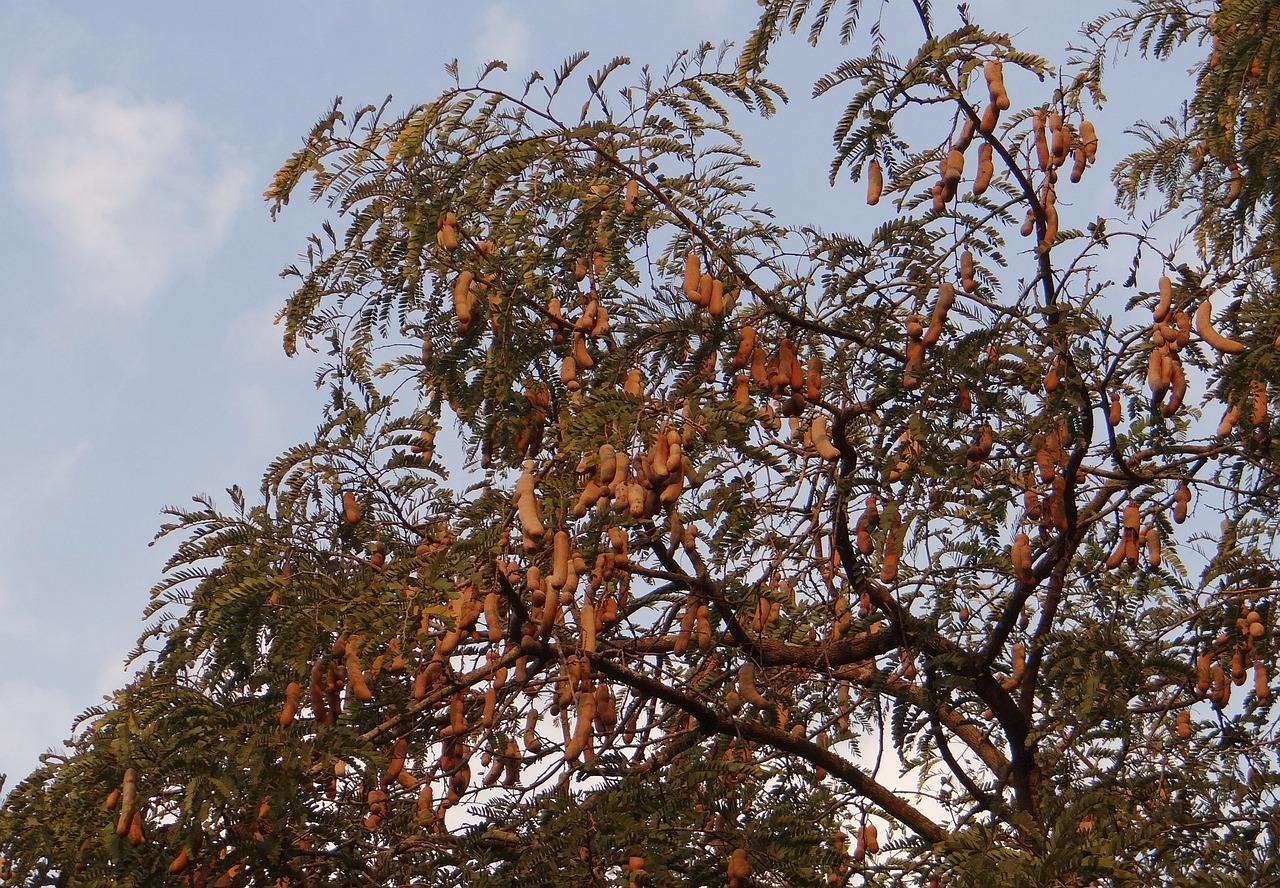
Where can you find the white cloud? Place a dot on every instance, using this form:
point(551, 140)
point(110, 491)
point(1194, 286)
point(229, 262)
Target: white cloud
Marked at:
point(131, 191)
point(504, 34)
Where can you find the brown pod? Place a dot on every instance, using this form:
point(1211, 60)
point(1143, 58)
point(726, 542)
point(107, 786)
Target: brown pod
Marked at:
point(746, 346)
point(953, 168)
point(1061, 139)
point(1204, 674)
point(1165, 302)
point(355, 673)
point(966, 272)
point(112, 799)
point(1079, 161)
point(179, 862)
point(1154, 556)
point(990, 117)
point(946, 297)
point(1028, 224)
point(692, 276)
point(1089, 140)
point(993, 70)
point(986, 169)
point(1183, 725)
point(1042, 144)
point(875, 182)
point(1204, 326)
point(1020, 554)
point(1261, 687)
point(1181, 500)
point(350, 508)
point(316, 692)
point(292, 696)
point(128, 801)
point(464, 299)
point(135, 835)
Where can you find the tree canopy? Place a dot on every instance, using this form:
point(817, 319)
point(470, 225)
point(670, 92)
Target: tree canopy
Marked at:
point(925, 554)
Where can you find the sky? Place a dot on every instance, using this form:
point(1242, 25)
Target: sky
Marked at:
point(142, 268)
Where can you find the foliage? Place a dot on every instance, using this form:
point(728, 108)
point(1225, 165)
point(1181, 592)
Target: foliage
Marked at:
point(780, 556)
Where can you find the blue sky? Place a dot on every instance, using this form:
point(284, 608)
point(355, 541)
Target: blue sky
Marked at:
point(141, 266)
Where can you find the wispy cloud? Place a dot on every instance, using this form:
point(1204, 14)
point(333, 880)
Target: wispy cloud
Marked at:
point(504, 34)
point(130, 190)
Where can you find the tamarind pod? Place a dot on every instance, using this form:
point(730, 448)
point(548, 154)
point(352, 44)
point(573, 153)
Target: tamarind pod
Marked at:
point(399, 751)
point(987, 125)
point(492, 617)
point(938, 193)
point(1182, 726)
point(1261, 687)
point(128, 801)
point(463, 300)
point(946, 297)
point(1165, 302)
point(135, 835)
point(319, 709)
point(705, 285)
point(1132, 517)
point(742, 392)
point(871, 839)
point(813, 378)
point(490, 713)
point(953, 168)
point(1220, 695)
point(1052, 377)
point(1239, 671)
point(292, 695)
point(875, 182)
point(968, 128)
point(579, 269)
point(1178, 387)
point(675, 452)
point(1050, 225)
point(587, 624)
point(606, 464)
point(993, 70)
point(406, 779)
point(747, 686)
point(889, 566)
point(1079, 161)
point(914, 364)
point(671, 492)
point(1204, 662)
point(739, 868)
point(716, 301)
point(179, 862)
point(1204, 326)
point(582, 730)
point(692, 276)
point(822, 438)
point(112, 799)
point(448, 237)
point(1116, 558)
point(1028, 224)
point(355, 674)
point(1042, 156)
point(582, 358)
point(559, 560)
point(1089, 140)
point(1259, 404)
point(633, 384)
point(569, 373)
point(1153, 546)
point(966, 272)
point(530, 521)
point(1157, 379)
point(1061, 139)
point(1020, 554)
point(350, 508)
point(586, 499)
point(634, 500)
point(746, 345)
point(1115, 413)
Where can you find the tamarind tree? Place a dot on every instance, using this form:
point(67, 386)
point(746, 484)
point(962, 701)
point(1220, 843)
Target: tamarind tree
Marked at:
point(780, 556)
